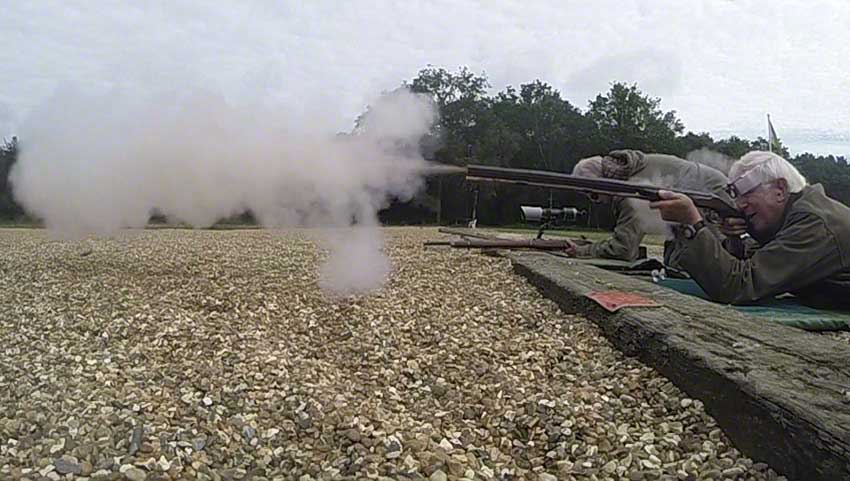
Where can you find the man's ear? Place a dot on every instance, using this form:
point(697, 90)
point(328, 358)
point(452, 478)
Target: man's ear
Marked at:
point(781, 189)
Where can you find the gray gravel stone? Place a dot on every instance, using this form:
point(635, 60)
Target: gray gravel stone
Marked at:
point(68, 465)
point(223, 359)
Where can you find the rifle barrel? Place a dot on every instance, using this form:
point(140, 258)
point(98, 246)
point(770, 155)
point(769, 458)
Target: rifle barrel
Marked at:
point(557, 180)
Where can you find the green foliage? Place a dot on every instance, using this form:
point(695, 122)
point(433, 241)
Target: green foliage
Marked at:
point(8, 156)
point(534, 127)
point(462, 102)
point(626, 118)
point(529, 127)
point(690, 142)
point(761, 144)
point(543, 130)
point(832, 172)
point(736, 147)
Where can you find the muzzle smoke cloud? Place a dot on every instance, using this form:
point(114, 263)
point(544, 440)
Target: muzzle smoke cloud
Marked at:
point(94, 164)
point(702, 178)
point(712, 159)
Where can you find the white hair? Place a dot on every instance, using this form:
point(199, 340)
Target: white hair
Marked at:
point(770, 167)
point(589, 167)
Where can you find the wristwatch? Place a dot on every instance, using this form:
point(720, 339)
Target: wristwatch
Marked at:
point(690, 231)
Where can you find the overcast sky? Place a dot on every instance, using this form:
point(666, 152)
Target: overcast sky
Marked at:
point(722, 65)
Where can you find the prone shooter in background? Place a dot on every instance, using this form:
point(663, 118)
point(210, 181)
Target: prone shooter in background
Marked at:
point(632, 220)
point(601, 180)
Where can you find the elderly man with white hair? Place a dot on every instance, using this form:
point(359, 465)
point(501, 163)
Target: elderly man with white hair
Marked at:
point(802, 238)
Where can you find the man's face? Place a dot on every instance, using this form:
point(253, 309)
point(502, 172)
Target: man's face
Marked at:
point(764, 206)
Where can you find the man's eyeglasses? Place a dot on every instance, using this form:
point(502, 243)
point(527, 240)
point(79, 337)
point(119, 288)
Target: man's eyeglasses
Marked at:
point(744, 184)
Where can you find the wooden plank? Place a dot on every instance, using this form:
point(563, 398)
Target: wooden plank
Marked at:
point(779, 393)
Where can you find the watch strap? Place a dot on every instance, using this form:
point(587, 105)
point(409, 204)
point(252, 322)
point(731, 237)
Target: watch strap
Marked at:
point(691, 231)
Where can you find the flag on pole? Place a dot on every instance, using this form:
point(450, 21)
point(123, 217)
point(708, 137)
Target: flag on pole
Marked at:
point(772, 139)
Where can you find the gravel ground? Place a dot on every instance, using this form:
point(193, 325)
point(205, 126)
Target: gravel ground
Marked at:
point(171, 354)
point(839, 335)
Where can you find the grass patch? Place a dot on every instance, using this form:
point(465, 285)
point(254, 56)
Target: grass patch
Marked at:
point(20, 224)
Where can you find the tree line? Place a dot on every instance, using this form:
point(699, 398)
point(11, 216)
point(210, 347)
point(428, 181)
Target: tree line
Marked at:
point(533, 127)
point(9, 209)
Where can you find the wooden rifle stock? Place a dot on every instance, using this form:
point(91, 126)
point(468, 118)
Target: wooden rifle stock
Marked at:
point(618, 188)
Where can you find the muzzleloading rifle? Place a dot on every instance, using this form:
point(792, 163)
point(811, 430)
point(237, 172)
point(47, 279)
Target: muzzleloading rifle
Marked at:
point(534, 244)
point(595, 186)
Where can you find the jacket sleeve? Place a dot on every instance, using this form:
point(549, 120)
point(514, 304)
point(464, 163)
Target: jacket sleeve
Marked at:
point(803, 252)
point(741, 248)
point(624, 244)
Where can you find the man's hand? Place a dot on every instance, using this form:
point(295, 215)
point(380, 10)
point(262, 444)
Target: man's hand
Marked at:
point(676, 207)
point(733, 227)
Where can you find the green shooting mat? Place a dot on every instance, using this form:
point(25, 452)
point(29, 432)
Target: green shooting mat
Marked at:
point(784, 309)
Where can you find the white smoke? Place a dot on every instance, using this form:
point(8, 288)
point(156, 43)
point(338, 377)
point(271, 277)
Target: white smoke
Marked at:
point(711, 158)
point(358, 265)
point(94, 164)
point(650, 221)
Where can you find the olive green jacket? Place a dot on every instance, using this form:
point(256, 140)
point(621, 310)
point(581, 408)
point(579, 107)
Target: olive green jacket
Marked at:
point(630, 227)
point(809, 256)
point(624, 243)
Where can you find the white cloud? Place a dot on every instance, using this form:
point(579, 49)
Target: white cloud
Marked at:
point(722, 65)
point(655, 71)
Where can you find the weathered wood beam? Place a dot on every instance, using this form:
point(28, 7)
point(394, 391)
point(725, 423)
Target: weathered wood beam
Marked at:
point(779, 393)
